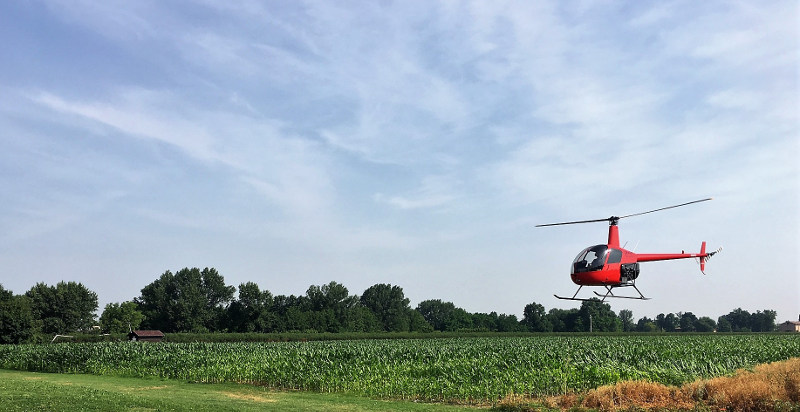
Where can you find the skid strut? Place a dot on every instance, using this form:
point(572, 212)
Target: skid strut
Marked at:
point(610, 294)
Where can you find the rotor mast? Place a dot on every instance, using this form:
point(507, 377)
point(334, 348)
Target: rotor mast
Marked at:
point(613, 232)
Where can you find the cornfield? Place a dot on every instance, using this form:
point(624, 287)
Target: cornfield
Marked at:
point(457, 369)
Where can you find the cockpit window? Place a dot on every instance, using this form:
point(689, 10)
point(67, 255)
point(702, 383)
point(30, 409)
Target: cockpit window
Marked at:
point(591, 258)
point(614, 256)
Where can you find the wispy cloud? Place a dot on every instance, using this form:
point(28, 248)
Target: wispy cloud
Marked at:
point(315, 135)
point(285, 169)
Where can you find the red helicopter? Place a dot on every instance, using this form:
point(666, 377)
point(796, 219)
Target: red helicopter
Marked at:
point(613, 267)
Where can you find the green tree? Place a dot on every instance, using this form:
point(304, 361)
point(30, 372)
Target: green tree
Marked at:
point(723, 325)
point(705, 324)
point(331, 304)
point(603, 319)
point(459, 319)
point(361, 319)
point(626, 317)
point(444, 316)
point(484, 321)
point(291, 312)
point(63, 308)
point(416, 323)
point(739, 320)
point(251, 311)
point(763, 321)
point(389, 305)
point(190, 300)
point(436, 312)
point(667, 323)
point(566, 320)
point(5, 294)
point(120, 317)
point(688, 322)
point(534, 318)
point(16, 318)
point(646, 324)
point(508, 323)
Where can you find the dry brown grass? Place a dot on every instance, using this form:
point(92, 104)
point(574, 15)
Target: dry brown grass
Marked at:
point(628, 394)
point(250, 397)
point(768, 387)
point(761, 389)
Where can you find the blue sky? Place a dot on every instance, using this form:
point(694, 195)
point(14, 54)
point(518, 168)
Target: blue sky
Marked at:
point(415, 143)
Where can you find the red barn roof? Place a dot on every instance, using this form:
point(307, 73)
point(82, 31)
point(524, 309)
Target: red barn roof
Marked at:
point(148, 333)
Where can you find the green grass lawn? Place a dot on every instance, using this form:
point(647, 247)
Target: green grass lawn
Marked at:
point(29, 391)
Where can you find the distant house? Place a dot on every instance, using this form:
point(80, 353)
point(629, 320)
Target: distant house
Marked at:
point(146, 335)
point(789, 326)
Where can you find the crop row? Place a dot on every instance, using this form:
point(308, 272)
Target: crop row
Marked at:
point(428, 369)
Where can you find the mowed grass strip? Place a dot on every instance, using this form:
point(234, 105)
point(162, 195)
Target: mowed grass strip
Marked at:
point(31, 391)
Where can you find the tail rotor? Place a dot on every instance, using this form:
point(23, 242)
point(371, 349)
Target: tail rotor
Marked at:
point(704, 257)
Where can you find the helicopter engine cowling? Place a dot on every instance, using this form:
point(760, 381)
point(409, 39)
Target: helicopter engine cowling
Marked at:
point(629, 271)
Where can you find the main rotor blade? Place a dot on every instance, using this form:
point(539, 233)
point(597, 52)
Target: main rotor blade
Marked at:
point(576, 222)
point(613, 219)
point(665, 208)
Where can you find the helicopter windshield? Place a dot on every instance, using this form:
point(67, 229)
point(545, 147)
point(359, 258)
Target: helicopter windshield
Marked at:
point(591, 258)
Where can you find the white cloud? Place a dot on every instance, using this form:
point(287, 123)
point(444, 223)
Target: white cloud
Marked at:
point(434, 191)
point(286, 169)
point(400, 141)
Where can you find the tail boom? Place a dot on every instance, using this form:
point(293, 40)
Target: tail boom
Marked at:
point(702, 256)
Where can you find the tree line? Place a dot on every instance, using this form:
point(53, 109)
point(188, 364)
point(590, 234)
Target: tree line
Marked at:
point(194, 300)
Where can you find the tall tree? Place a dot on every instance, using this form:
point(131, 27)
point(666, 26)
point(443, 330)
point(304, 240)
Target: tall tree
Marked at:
point(63, 308)
point(5, 294)
point(436, 312)
point(416, 323)
point(484, 321)
point(330, 304)
point(120, 317)
point(705, 324)
point(508, 323)
point(291, 312)
point(667, 323)
point(190, 300)
point(534, 318)
point(566, 320)
point(626, 317)
point(723, 325)
point(445, 316)
point(16, 318)
point(389, 305)
point(603, 319)
point(361, 319)
point(251, 311)
point(646, 324)
point(763, 321)
point(688, 322)
point(739, 320)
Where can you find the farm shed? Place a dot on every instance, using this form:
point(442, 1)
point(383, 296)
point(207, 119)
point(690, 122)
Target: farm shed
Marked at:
point(789, 326)
point(146, 335)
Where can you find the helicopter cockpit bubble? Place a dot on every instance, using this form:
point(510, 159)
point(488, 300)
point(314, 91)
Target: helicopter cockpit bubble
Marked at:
point(590, 259)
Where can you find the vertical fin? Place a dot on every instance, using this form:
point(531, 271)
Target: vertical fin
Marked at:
point(703, 258)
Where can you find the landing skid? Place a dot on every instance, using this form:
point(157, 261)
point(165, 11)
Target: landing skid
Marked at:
point(578, 299)
point(608, 294)
point(622, 297)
